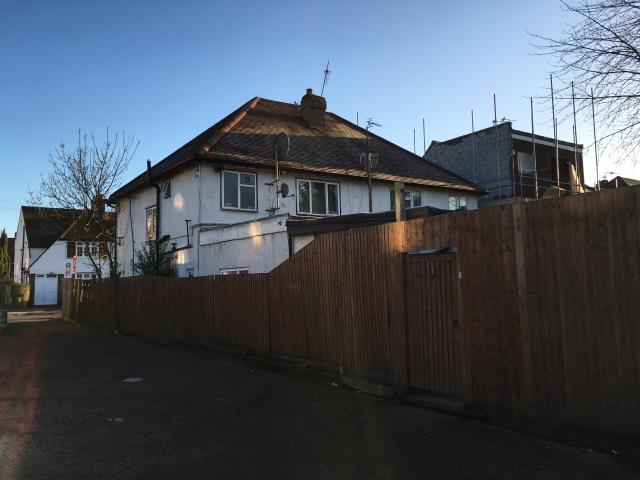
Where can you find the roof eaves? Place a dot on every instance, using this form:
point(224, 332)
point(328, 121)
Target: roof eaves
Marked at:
point(347, 172)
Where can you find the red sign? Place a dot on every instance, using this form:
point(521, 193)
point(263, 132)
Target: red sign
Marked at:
point(75, 264)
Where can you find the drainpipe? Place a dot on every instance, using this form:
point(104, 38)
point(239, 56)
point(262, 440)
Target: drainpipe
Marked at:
point(115, 239)
point(157, 187)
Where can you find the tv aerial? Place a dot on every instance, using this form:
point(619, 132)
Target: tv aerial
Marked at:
point(281, 146)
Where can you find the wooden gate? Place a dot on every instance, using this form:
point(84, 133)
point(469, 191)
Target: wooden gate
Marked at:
point(434, 333)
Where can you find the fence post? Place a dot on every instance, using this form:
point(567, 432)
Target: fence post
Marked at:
point(397, 309)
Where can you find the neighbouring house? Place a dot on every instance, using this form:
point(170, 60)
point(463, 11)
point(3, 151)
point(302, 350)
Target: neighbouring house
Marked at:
point(500, 159)
point(222, 204)
point(56, 243)
point(618, 182)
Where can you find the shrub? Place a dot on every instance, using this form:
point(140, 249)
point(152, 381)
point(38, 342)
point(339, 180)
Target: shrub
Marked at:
point(20, 294)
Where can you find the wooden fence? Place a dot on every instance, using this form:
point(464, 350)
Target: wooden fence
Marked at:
point(548, 306)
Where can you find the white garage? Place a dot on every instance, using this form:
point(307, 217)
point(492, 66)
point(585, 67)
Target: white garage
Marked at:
point(45, 290)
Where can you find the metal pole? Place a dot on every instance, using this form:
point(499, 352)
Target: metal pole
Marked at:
point(358, 119)
point(533, 144)
point(369, 182)
point(495, 121)
point(473, 149)
point(575, 138)
point(555, 123)
point(555, 135)
point(595, 140)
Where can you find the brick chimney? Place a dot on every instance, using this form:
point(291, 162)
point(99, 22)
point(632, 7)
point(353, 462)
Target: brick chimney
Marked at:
point(313, 108)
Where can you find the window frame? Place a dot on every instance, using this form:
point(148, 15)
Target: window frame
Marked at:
point(86, 248)
point(326, 191)
point(255, 187)
point(458, 203)
point(155, 223)
point(411, 193)
point(234, 271)
point(83, 275)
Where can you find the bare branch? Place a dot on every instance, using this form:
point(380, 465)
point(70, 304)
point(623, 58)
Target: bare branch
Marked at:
point(600, 51)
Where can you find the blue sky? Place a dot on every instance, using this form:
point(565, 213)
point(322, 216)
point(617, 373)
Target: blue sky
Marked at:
point(165, 71)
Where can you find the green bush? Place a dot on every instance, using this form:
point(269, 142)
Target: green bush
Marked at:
point(20, 294)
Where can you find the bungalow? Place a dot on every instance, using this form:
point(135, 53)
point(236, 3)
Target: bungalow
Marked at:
point(223, 200)
point(56, 243)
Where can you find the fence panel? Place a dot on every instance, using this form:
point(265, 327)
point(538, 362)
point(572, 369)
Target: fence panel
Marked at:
point(548, 306)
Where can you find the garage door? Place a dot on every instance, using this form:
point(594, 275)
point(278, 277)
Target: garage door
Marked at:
point(46, 290)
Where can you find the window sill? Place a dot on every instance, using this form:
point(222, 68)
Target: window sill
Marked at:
point(318, 215)
point(232, 209)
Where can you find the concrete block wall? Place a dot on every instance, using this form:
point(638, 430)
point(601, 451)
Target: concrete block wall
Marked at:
point(457, 155)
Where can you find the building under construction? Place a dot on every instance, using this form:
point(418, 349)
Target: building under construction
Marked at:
point(505, 163)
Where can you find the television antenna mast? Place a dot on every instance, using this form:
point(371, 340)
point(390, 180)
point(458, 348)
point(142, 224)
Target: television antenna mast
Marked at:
point(368, 160)
point(281, 146)
point(325, 81)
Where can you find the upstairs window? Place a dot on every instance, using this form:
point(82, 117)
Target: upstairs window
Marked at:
point(318, 198)
point(457, 203)
point(411, 199)
point(151, 223)
point(239, 190)
point(86, 249)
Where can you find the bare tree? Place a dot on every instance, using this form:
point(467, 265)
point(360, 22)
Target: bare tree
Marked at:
point(82, 178)
point(601, 52)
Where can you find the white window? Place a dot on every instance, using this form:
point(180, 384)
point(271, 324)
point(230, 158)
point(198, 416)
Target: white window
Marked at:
point(151, 223)
point(85, 276)
point(87, 249)
point(457, 203)
point(411, 199)
point(525, 162)
point(239, 190)
point(318, 198)
point(234, 271)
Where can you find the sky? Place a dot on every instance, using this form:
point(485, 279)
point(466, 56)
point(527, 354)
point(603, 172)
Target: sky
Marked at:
point(164, 71)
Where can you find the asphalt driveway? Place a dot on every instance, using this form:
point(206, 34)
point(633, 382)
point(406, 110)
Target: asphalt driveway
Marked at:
point(65, 412)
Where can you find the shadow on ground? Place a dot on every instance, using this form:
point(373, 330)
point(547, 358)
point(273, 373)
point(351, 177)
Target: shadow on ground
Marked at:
point(65, 412)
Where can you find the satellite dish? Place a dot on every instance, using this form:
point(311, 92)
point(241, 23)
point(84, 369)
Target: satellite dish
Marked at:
point(281, 146)
point(284, 190)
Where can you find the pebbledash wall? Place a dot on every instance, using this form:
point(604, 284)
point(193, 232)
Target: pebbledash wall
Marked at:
point(220, 238)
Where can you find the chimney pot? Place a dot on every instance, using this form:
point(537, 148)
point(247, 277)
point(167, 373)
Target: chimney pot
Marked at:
point(309, 91)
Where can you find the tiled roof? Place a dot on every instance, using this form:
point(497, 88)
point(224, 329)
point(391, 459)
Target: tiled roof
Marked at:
point(44, 225)
point(247, 135)
point(91, 226)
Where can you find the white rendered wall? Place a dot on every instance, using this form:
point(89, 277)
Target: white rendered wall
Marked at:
point(258, 246)
point(183, 204)
point(54, 260)
point(196, 195)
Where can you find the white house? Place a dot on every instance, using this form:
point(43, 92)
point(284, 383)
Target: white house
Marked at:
point(51, 244)
point(222, 203)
